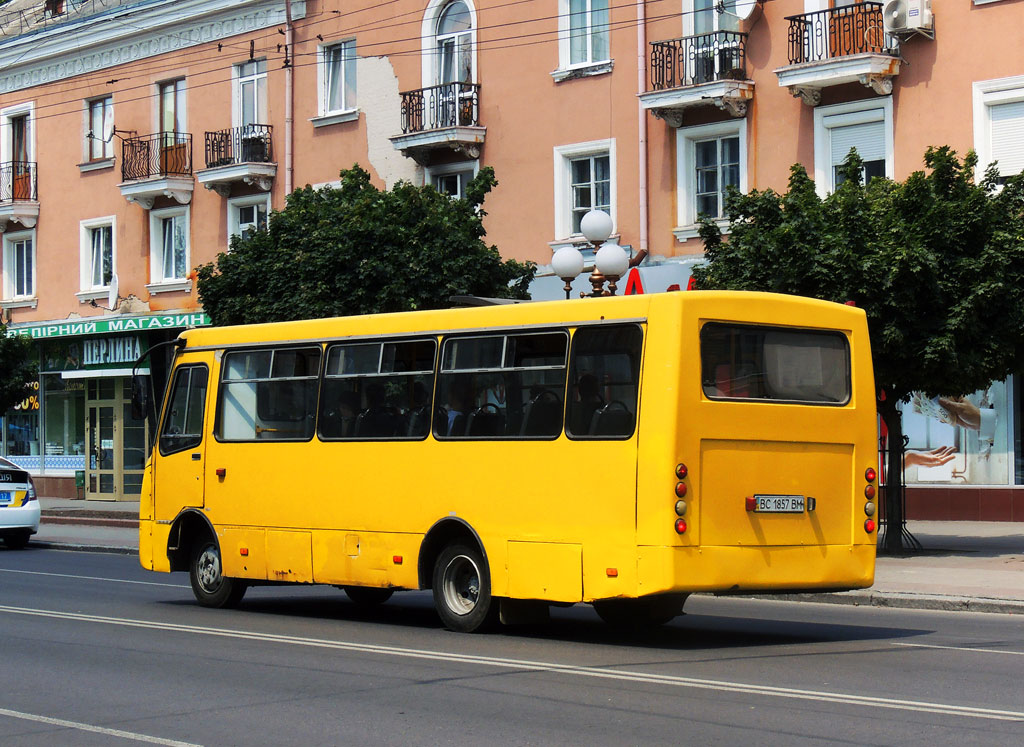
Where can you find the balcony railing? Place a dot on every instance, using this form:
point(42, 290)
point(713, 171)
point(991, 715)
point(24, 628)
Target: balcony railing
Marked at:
point(245, 144)
point(18, 182)
point(436, 107)
point(839, 32)
point(692, 60)
point(157, 155)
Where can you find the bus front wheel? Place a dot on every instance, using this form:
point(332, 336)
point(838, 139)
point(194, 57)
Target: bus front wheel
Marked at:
point(209, 584)
point(462, 590)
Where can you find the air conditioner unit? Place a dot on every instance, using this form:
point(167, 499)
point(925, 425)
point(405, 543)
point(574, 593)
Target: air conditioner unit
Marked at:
point(907, 16)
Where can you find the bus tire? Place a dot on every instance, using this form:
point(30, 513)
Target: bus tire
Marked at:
point(637, 614)
point(368, 596)
point(209, 584)
point(462, 590)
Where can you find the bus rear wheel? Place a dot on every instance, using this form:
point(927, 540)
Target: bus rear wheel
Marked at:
point(462, 590)
point(368, 596)
point(209, 584)
point(636, 614)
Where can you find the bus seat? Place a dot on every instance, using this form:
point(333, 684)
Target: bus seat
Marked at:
point(485, 421)
point(614, 419)
point(542, 415)
point(377, 423)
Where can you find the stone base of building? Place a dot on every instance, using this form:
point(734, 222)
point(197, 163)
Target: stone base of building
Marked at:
point(965, 503)
point(57, 487)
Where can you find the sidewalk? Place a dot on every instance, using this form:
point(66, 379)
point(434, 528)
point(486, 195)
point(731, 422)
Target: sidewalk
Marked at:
point(972, 566)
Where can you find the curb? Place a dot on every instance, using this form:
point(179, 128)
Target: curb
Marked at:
point(80, 547)
point(903, 600)
point(92, 521)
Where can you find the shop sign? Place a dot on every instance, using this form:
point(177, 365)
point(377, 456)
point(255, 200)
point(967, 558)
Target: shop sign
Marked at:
point(83, 327)
point(31, 401)
point(92, 354)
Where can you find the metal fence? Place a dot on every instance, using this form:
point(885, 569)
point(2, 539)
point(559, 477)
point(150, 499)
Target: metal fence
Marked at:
point(447, 105)
point(18, 182)
point(839, 32)
point(246, 144)
point(692, 60)
point(159, 154)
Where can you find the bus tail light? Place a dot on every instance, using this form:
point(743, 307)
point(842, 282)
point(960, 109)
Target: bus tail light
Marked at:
point(869, 525)
point(751, 503)
point(869, 491)
point(680, 508)
point(680, 526)
point(680, 489)
point(870, 474)
point(681, 471)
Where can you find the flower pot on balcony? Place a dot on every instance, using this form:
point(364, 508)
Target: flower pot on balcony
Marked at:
point(254, 149)
point(21, 188)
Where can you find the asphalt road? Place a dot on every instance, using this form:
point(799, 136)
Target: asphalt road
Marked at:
point(96, 651)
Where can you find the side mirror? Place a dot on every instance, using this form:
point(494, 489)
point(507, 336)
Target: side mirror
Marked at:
point(140, 396)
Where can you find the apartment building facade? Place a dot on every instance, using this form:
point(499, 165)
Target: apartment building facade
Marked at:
point(137, 136)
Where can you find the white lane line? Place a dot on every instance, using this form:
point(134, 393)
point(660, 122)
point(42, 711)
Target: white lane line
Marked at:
point(542, 666)
point(95, 729)
point(961, 648)
point(94, 578)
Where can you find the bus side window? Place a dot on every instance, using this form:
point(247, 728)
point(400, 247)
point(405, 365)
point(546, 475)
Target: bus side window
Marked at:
point(605, 377)
point(183, 423)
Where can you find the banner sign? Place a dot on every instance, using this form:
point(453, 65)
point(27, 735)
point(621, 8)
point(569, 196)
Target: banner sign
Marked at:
point(110, 325)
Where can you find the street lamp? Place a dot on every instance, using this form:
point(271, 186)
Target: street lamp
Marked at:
point(610, 260)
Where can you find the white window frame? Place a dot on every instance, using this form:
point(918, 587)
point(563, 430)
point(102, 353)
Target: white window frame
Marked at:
point(844, 115)
point(238, 80)
point(10, 299)
point(985, 94)
point(108, 145)
point(686, 171)
point(234, 227)
point(8, 113)
point(431, 172)
point(90, 292)
point(567, 68)
point(160, 284)
point(563, 158)
point(428, 40)
point(326, 116)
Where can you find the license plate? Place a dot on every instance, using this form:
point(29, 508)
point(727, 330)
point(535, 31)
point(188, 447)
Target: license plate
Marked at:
point(5, 497)
point(779, 504)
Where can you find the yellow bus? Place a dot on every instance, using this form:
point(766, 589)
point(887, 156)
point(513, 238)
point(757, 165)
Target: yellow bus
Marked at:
point(621, 451)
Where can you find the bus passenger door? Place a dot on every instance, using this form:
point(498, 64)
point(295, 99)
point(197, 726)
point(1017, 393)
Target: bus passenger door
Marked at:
point(178, 472)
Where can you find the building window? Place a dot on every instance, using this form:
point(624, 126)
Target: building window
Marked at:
point(999, 126)
point(246, 215)
point(172, 106)
point(97, 240)
point(19, 266)
point(99, 137)
point(452, 179)
point(169, 248)
point(862, 125)
point(588, 37)
point(251, 92)
point(338, 77)
point(584, 180)
point(454, 51)
point(711, 158)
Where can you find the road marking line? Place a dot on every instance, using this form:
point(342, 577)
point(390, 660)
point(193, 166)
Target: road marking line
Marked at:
point(95, 729)
point(962, 648)
point(94, 578)
point(541, 666)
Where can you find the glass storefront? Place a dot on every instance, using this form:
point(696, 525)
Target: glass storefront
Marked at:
point(63, 421)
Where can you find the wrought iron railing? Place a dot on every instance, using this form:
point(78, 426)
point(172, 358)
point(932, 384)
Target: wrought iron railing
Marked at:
point(839, 32)
point(159, 154)
point(18, 182)
point(704, 58)
point(447, 105)
point(245, 144)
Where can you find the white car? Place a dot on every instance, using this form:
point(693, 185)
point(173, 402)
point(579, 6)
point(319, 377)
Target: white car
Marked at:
point(19, 507)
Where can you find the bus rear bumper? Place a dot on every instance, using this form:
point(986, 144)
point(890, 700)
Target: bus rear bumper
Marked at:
point(747, 569)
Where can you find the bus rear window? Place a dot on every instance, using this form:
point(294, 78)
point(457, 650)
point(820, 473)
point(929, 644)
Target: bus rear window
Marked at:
point(774, 364)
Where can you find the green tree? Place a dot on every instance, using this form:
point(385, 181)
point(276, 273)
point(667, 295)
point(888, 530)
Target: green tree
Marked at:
point(358, 250)
point(17, 368)
point(936, 261)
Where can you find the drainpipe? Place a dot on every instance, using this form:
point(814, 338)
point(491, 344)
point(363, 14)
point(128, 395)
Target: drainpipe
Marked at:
point(641, 83)
point(289, 103)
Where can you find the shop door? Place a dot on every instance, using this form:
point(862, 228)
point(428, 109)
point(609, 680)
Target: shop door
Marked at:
point(117, 443)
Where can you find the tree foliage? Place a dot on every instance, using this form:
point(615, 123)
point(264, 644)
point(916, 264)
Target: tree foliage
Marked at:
point(936, 261)
point(359, 249)
point(17, 368)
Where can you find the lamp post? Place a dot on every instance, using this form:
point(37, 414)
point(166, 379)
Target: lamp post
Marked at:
point(610, 260)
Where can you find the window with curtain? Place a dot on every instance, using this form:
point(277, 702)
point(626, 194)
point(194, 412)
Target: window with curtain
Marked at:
point(101, 119)
point(174, 243)
point(101, 241)
point(339, 76)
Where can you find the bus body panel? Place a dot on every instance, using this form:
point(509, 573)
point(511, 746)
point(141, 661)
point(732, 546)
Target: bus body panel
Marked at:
point(545, 570)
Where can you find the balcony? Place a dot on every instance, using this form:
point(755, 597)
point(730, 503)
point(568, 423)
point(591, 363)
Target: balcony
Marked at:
point(239, 155)
point(441, 117)
point(19, 197)
point(839, 46)
point(697, 71)
point(157, 165)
